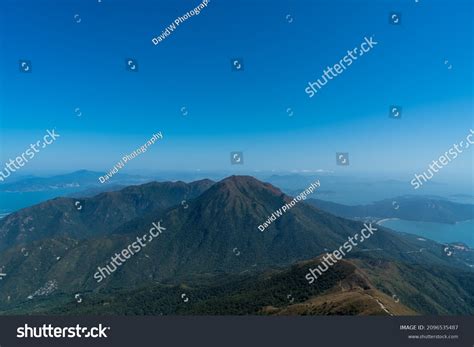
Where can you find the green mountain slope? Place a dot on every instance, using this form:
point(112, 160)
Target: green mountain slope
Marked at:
point(345, 289)
point(99, 215)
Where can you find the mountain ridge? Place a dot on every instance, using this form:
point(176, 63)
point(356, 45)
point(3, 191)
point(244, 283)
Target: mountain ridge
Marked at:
point(97, 215)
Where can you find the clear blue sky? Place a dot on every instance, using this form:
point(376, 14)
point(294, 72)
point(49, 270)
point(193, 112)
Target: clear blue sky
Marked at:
point(82, 65)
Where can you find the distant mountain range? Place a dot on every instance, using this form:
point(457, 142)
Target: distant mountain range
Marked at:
point(81, 179)
point(356, 190)
point(425, 208)
point(214, 254)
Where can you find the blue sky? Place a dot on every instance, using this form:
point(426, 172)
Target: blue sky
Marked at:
point(82, 65)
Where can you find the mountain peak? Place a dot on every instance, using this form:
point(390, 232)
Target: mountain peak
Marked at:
point(242, 183)
point(240, 178)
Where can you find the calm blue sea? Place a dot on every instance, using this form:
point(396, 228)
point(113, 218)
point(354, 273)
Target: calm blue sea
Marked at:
point(11, 202)
point(445, 233)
